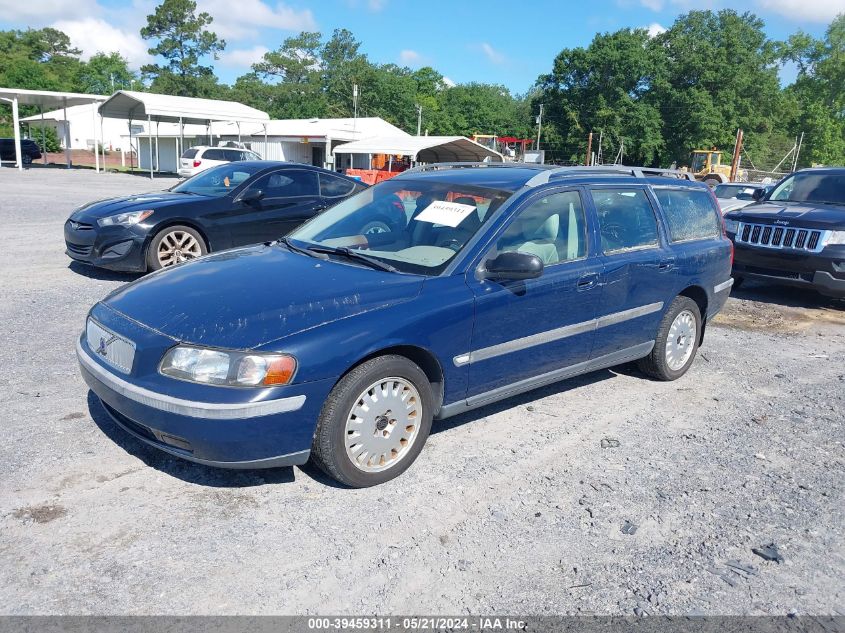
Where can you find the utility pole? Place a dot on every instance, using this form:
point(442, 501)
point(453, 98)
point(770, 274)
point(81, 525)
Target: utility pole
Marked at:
point(419, 119)
point(539, 126)
point(737, 150)
point(797, 151)
point(589, 149)
point(599, 157)
point(354, 106)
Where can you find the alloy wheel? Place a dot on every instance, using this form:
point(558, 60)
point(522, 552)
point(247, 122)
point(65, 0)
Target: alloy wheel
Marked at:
point(680, 342)
point(176, 247)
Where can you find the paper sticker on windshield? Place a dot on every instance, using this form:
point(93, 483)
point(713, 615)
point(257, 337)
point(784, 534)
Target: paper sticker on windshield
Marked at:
point(445, 213)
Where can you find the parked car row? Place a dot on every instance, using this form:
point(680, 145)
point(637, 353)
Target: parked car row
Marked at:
point(422, 297)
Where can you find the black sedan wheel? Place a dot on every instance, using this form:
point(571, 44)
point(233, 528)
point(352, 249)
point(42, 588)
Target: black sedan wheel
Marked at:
point(174, 245)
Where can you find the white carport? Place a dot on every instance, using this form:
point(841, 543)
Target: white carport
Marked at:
point(423, 149)
point(156, 108)
point(51, 100)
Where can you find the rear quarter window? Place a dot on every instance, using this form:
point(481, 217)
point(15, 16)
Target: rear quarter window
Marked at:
point(690, 214)
point(189, 153)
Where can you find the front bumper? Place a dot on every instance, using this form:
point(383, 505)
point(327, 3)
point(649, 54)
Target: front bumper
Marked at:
point(115, 248)
point(823, 271)
point(240, 434)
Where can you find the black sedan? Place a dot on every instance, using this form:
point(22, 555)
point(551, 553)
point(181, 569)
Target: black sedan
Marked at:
point(223, 207)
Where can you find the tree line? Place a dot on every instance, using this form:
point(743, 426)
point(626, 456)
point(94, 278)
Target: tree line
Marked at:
point(654, 96)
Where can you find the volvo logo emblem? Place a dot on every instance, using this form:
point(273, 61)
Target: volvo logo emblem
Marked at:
point(104, 344)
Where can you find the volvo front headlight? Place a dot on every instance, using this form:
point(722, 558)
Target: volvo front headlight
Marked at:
point(125, 219)
point(228, 368)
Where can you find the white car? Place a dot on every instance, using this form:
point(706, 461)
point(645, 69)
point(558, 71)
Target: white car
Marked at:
point(197, 159)
point(736, 195)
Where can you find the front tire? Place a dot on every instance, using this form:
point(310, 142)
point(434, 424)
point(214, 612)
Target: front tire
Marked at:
point(676, 342)
point(174, 245)
point(374, 423)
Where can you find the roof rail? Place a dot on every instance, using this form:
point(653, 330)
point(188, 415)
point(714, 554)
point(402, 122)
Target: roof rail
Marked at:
point(439, 166)
point(620, 170)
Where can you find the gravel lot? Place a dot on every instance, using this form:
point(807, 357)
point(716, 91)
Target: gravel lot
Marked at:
point(607, 494)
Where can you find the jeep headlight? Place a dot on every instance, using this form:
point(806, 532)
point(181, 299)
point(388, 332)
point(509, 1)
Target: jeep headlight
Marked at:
point(731, 225)
point(125, 219)
point(227, 368)
point(835, 237)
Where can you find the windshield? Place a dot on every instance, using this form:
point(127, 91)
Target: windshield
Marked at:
point(811, 187)
point(415, 226)
point(218, 181)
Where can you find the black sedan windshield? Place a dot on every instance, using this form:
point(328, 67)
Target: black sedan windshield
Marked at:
point(219, 181)
point(415, 226)
point(811, 187)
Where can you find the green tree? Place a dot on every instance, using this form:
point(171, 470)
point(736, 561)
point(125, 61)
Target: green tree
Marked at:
point(818, 94)
point(719, 73)
point(293, 71)
point(104, 73)
point(604, 87)
point(182, 40)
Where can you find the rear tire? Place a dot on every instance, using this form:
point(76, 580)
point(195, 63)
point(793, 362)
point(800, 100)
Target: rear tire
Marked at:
point(676, 342)
point(173, 245)
point(374, 423)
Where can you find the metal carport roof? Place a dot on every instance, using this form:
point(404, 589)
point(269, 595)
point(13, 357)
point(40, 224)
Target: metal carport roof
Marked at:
point(126, 104)
point(43, 98)
point(423, 149)
point(140, 106)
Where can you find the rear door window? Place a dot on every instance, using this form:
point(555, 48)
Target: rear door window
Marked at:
point(690, 213)
point(214, 154)
point(626, 219)
point(333, 187)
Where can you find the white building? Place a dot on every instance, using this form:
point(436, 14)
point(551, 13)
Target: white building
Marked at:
point(83, 125)
point(295, 140)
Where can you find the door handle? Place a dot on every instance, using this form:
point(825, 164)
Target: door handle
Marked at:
point(587, 281)
point(666, 264)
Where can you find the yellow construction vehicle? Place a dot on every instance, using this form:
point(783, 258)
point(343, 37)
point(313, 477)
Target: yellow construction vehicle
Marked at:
point(707, 166)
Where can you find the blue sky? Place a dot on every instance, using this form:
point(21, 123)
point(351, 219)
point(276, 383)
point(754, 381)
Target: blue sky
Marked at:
point(497, 41)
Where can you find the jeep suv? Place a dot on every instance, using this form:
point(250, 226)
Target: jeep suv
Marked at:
point(795, 234)
point(341, 344)
point(29, 150)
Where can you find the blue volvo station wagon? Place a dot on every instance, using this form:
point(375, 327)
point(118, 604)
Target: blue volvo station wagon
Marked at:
point(342, 345)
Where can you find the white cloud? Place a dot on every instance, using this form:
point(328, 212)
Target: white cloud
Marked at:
point(43, 11)
point(242, 57)
point(654, 5)
point(803, 11)
point(492, 54)
point(241, 21)
point(655, 29)
point(93, 35)
point(376, 5)
point(449, 82)
point(409, 57)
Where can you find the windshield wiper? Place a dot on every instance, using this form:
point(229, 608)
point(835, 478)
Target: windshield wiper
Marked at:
point(349, 253)
point(299, 249)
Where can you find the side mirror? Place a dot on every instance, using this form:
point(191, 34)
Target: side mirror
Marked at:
point(513, 266)
point(251, 196)
point(758, 194)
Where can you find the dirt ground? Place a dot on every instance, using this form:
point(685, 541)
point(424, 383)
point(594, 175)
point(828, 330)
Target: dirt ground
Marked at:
point(606, 494)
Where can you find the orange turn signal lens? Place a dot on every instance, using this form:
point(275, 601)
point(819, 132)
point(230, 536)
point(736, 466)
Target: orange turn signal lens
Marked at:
point(280, 370)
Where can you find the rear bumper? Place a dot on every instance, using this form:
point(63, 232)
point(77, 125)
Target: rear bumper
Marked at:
point(246, 434)
point(823, 271)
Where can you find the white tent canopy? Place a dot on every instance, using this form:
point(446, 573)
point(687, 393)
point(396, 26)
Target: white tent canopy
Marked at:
point(44, 99)
point(423, 149)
